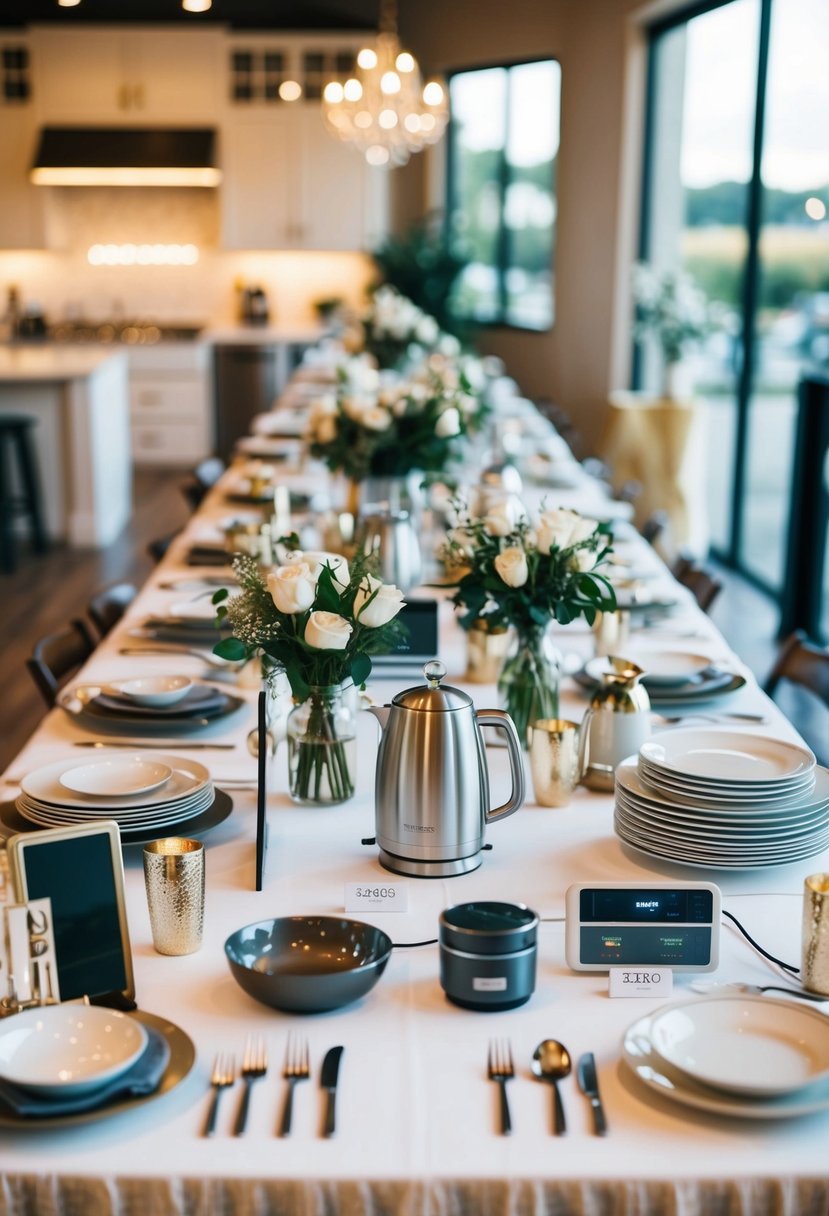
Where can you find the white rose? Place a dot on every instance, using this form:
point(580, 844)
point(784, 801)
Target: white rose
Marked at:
point(327, 631)
point(315, 559)
point(467, 404)
point(583, 559)
point(427, 331)
point(511, 566)
point(500, 518)
point(322, 406)
point(355, 406)
point(293, 587)
point(582, 529)
point(449, 345)
point(555, 528)
point(376, 419)
point(448, 424)
point(384, 605)
point(325, 429)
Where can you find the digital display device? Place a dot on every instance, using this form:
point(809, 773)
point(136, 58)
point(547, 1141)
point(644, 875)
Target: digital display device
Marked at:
point(81, 870)
point(421, 642)
point(674, 925)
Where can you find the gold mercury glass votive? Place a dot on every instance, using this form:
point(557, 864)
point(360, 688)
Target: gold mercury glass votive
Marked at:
point(814, 973)
point(486, 649)
point(174, 879)
point(554, 760)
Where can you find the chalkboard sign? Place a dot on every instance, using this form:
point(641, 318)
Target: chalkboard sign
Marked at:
point(82, 871)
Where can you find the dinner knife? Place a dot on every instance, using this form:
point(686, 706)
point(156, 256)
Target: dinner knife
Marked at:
point(129, 744)
point(328, 1082)
point(589, 1086)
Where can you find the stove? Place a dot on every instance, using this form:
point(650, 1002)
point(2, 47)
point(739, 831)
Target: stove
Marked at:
point(125, 333)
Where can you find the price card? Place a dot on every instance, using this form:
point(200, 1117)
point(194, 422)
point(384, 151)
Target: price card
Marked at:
point(376, 897)
point(641, 981)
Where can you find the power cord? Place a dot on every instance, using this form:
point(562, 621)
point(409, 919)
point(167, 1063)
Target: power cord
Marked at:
point(778, 962)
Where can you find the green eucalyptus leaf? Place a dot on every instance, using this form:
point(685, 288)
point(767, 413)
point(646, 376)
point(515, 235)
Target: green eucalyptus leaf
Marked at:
point(360, 668)
point(231, 649)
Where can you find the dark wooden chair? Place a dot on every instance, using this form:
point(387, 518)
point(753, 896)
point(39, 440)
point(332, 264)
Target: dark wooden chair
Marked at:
point(57, 656)
point(108, 606)
point(17, 444)
point(703, 585)
point(654, 526)
point(203, 478)
point(803, 663)
point(158, 547)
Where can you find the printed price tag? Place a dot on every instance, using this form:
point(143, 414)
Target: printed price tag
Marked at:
point(641, 981)
point(376, 897)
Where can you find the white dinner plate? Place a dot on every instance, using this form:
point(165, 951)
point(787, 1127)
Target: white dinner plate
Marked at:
point(711, 859)
point(118, 777)
point(677, 789)
point(808, 801)
point(644, 1062)
point(728, 756)
point(668, 669)
point(757, 1046)
point(162, 817)
point(43, 784)
point(718, 834)
point(58, 1050)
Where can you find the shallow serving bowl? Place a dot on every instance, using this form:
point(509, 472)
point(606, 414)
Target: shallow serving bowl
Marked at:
point(63, 1050)
point(153, 690)
point(307, 964)
point(120, 777)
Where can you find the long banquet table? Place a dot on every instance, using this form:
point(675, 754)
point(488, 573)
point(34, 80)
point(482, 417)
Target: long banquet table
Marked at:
point(417, 1118)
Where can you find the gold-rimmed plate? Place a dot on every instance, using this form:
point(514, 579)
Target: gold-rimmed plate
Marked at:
point(182, 1059)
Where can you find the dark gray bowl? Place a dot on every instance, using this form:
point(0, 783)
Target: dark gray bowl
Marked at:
point(307, 964)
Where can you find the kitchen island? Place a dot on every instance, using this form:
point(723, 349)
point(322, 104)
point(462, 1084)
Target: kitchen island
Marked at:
point(80, 398)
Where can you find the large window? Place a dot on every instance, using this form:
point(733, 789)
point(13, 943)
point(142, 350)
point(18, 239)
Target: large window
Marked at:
point(737, 194)
point(502, 204)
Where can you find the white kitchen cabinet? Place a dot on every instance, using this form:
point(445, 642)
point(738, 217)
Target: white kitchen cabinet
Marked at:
point(171, 410)
point(289, 184)
point(22, 223)
point(126, 76)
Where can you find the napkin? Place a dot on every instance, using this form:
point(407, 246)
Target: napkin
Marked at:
point(140, 1079)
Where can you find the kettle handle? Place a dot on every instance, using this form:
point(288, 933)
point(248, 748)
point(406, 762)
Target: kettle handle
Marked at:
point(584, 743)
point(502, 721)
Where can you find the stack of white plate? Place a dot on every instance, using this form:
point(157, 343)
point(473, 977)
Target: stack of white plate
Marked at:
point(752, 1057)
point(142, 792)
point(723, 800)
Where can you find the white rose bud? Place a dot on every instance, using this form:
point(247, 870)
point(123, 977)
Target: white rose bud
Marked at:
point(293, 587)
point(449, 345)
point(582, 529)
point(376, 419)
point(317, 558)
point(583, 559)
point(500, 519)
point(383, 607)
point(427, 331)
point(448, 424)
point(327, 631)
point(511, 566)
point(555, 528)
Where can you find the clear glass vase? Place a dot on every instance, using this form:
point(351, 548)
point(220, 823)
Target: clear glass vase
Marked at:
point(529, 681)
point(322, 749)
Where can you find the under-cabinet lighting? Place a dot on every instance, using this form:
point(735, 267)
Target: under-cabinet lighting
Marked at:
point(57, 175)
point(142, 255)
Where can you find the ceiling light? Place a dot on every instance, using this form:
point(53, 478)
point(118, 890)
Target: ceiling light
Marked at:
point(196, 6)
point(384, 109)
point(290, 90)
point(68, 3)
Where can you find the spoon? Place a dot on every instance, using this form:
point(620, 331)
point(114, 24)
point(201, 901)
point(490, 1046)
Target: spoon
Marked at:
point(213, 660)
point(551, 1063)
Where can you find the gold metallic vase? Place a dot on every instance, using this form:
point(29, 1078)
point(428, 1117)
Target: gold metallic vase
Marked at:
point(486, 649)
point(174, 878)
point(814, 973)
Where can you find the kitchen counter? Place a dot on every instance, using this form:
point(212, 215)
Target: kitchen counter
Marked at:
point(80, 398)
point(261, 335)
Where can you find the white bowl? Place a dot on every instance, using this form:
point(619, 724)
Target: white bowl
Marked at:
point(752, 1045)
point(117, 777)
point(68, 1049)
point(153, 690)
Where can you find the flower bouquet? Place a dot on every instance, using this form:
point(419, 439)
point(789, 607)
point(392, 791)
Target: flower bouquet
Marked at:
point(672, 309)
point(320, 622)
point(511, 574)
point(393, 324)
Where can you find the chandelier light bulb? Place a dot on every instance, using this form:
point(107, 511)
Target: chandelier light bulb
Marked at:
point(68, 3)
point(382, 107)
point(191, 6)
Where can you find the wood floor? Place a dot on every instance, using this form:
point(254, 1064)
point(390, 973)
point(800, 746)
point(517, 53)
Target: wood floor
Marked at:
point(47, 591)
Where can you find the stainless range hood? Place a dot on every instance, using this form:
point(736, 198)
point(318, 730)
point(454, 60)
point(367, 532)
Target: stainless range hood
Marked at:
point(126, 156)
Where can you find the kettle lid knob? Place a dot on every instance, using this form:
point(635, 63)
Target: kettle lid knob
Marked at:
point(434, 671)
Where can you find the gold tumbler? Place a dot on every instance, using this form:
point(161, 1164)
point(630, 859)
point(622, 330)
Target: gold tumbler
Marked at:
point(174, 878)
point(611, 631)
point(486, 649)
point(814, 973)
point(554, 760)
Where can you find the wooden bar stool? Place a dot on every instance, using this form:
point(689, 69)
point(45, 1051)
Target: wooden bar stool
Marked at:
point(16, 443)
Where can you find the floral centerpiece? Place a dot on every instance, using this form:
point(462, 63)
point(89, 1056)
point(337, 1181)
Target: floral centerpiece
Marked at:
point(320, 621)
point(512, 574)
point(673, 310)
point(392, 325)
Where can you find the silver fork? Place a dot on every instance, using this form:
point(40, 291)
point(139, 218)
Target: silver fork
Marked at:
point(254, 1066)
point(223, 1076)
point(501, 1069)
point(297, 1067)
point(673, 719)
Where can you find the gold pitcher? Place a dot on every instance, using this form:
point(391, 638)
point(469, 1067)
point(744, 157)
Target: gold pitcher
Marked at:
point(616, 725)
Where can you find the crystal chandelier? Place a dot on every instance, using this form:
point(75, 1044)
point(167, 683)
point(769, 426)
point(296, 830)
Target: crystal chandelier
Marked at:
point(384, 109)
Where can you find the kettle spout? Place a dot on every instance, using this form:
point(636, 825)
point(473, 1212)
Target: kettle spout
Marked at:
point(381, 713)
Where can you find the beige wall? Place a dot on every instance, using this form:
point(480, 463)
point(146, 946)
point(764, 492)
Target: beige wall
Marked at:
point(584, 355)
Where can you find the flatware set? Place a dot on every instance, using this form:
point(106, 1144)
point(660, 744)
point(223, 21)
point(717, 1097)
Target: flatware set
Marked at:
point(550, 1063)
point(296, 1068)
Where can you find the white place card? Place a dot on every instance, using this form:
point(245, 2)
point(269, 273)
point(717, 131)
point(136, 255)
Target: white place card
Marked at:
point(641, 981)
point(376, 897)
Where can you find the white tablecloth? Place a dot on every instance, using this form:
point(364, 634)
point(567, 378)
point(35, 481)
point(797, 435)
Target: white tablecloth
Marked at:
point(417, 1118)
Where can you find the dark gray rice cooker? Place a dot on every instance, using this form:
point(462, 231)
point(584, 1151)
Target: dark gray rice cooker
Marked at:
point(488, 954)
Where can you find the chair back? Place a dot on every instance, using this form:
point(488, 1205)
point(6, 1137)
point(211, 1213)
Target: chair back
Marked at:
point(702, 584)
point(802, 662)
point(108, 606)
point(57, 656)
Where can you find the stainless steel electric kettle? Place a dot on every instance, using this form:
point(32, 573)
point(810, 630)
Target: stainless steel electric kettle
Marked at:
point(432, 780)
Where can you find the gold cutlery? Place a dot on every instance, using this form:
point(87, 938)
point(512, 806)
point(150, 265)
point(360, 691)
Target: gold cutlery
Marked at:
point(222, 1077)
point(254, 1066)
point(296, 1068)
